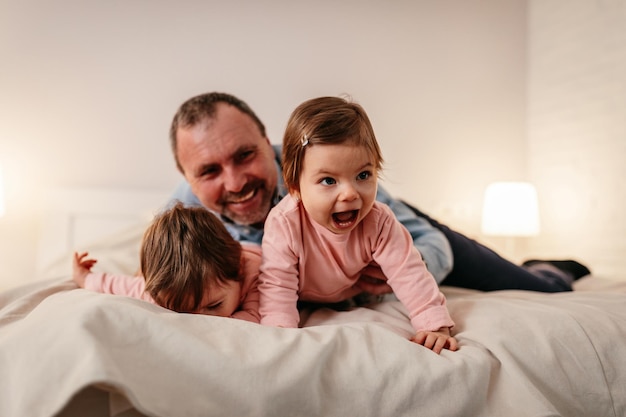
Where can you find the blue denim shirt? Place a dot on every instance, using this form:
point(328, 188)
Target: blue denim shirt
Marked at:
point(430, 242)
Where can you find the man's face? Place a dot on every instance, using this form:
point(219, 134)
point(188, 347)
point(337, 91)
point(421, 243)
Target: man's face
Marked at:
point(229, 165)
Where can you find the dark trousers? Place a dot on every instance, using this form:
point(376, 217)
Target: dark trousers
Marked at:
point(478, 267)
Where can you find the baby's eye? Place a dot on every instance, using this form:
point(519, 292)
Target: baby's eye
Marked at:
point(328, 181)
point(364, 175)
point(213, 306)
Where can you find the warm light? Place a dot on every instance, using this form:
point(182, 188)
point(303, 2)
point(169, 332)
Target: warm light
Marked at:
point(1, 194)
point(510, 209)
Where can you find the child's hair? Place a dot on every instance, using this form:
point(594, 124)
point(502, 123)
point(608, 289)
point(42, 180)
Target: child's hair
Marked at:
point(325, 121)
point(184, 252)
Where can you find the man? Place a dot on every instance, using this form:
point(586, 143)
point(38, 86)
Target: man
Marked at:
point(230, 167)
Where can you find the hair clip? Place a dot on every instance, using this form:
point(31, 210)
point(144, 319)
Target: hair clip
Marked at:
point(304, 141)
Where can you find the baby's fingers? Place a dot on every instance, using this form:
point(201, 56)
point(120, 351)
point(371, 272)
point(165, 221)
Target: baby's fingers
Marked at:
point(426, 339)
point(80, 255)
point(453, 344)
point(79, 260)
point(443, 342)
point(419, 338)
point(88, 263)
point(440, 343)
point(435, 341)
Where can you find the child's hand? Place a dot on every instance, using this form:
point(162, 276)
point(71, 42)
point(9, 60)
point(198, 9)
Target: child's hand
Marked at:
point(81, 267)
point(436, 341)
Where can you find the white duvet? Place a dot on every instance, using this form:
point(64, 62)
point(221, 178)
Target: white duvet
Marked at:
point(521, 354)
point(70, 352)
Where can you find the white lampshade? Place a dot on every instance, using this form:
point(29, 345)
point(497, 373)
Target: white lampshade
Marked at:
point(510, 209)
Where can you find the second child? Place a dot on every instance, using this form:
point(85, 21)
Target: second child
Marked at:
point(190, 264)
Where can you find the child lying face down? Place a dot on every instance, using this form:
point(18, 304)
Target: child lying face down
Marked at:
point(190, 264)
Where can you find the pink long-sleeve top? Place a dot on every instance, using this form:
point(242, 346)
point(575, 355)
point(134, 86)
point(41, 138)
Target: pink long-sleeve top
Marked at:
point(134, 286)
point(304, 260)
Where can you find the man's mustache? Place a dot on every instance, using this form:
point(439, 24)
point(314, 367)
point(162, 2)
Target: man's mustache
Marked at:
point(250, 186)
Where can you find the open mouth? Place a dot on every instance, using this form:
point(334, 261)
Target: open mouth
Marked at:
point(345, 218)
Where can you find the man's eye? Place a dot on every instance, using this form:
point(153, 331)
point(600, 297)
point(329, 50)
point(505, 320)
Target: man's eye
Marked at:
point(244, 156)
point(327, 181)
point(364, 175)
point(210, 172)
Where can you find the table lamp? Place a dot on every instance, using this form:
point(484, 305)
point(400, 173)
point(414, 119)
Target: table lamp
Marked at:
point(510, 210)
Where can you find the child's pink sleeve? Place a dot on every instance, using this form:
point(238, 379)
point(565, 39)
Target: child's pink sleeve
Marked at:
point(130, 286)
point(279, 277)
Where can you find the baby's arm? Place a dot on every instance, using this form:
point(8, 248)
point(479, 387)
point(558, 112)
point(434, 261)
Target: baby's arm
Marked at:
point(278, 283)
point(415, 287)
point(81, 267)
point(128, 285)
point(278, 301)
point(436, 341)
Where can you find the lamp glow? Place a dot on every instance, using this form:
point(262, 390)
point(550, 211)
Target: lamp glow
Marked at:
point(510, 209)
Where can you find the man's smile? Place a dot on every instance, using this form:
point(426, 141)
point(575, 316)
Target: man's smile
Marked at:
point(239, 198)
point(246, 195)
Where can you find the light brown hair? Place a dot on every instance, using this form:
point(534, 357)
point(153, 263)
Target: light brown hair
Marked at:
point(184, 252)
point(201, 108)
point(325, 121)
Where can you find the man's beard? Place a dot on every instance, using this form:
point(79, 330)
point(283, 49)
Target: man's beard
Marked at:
point(255, 216)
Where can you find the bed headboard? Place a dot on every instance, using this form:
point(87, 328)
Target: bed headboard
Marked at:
point(76, 217)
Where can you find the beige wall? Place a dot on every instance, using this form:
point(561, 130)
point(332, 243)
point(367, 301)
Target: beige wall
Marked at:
point(577, 129)
point(89, 88)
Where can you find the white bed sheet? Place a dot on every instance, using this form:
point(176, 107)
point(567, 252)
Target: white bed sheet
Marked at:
point(70, 352)
point(522, 353)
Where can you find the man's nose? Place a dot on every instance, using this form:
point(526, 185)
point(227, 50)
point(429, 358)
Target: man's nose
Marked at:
point(234, 180)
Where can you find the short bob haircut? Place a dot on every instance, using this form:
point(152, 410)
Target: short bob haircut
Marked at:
point(325, 121)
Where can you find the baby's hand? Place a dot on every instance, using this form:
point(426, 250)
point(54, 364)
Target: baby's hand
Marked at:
point(81, 267)
point(436, 341)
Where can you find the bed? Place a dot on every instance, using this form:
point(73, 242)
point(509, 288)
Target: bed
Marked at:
point(66, 351)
